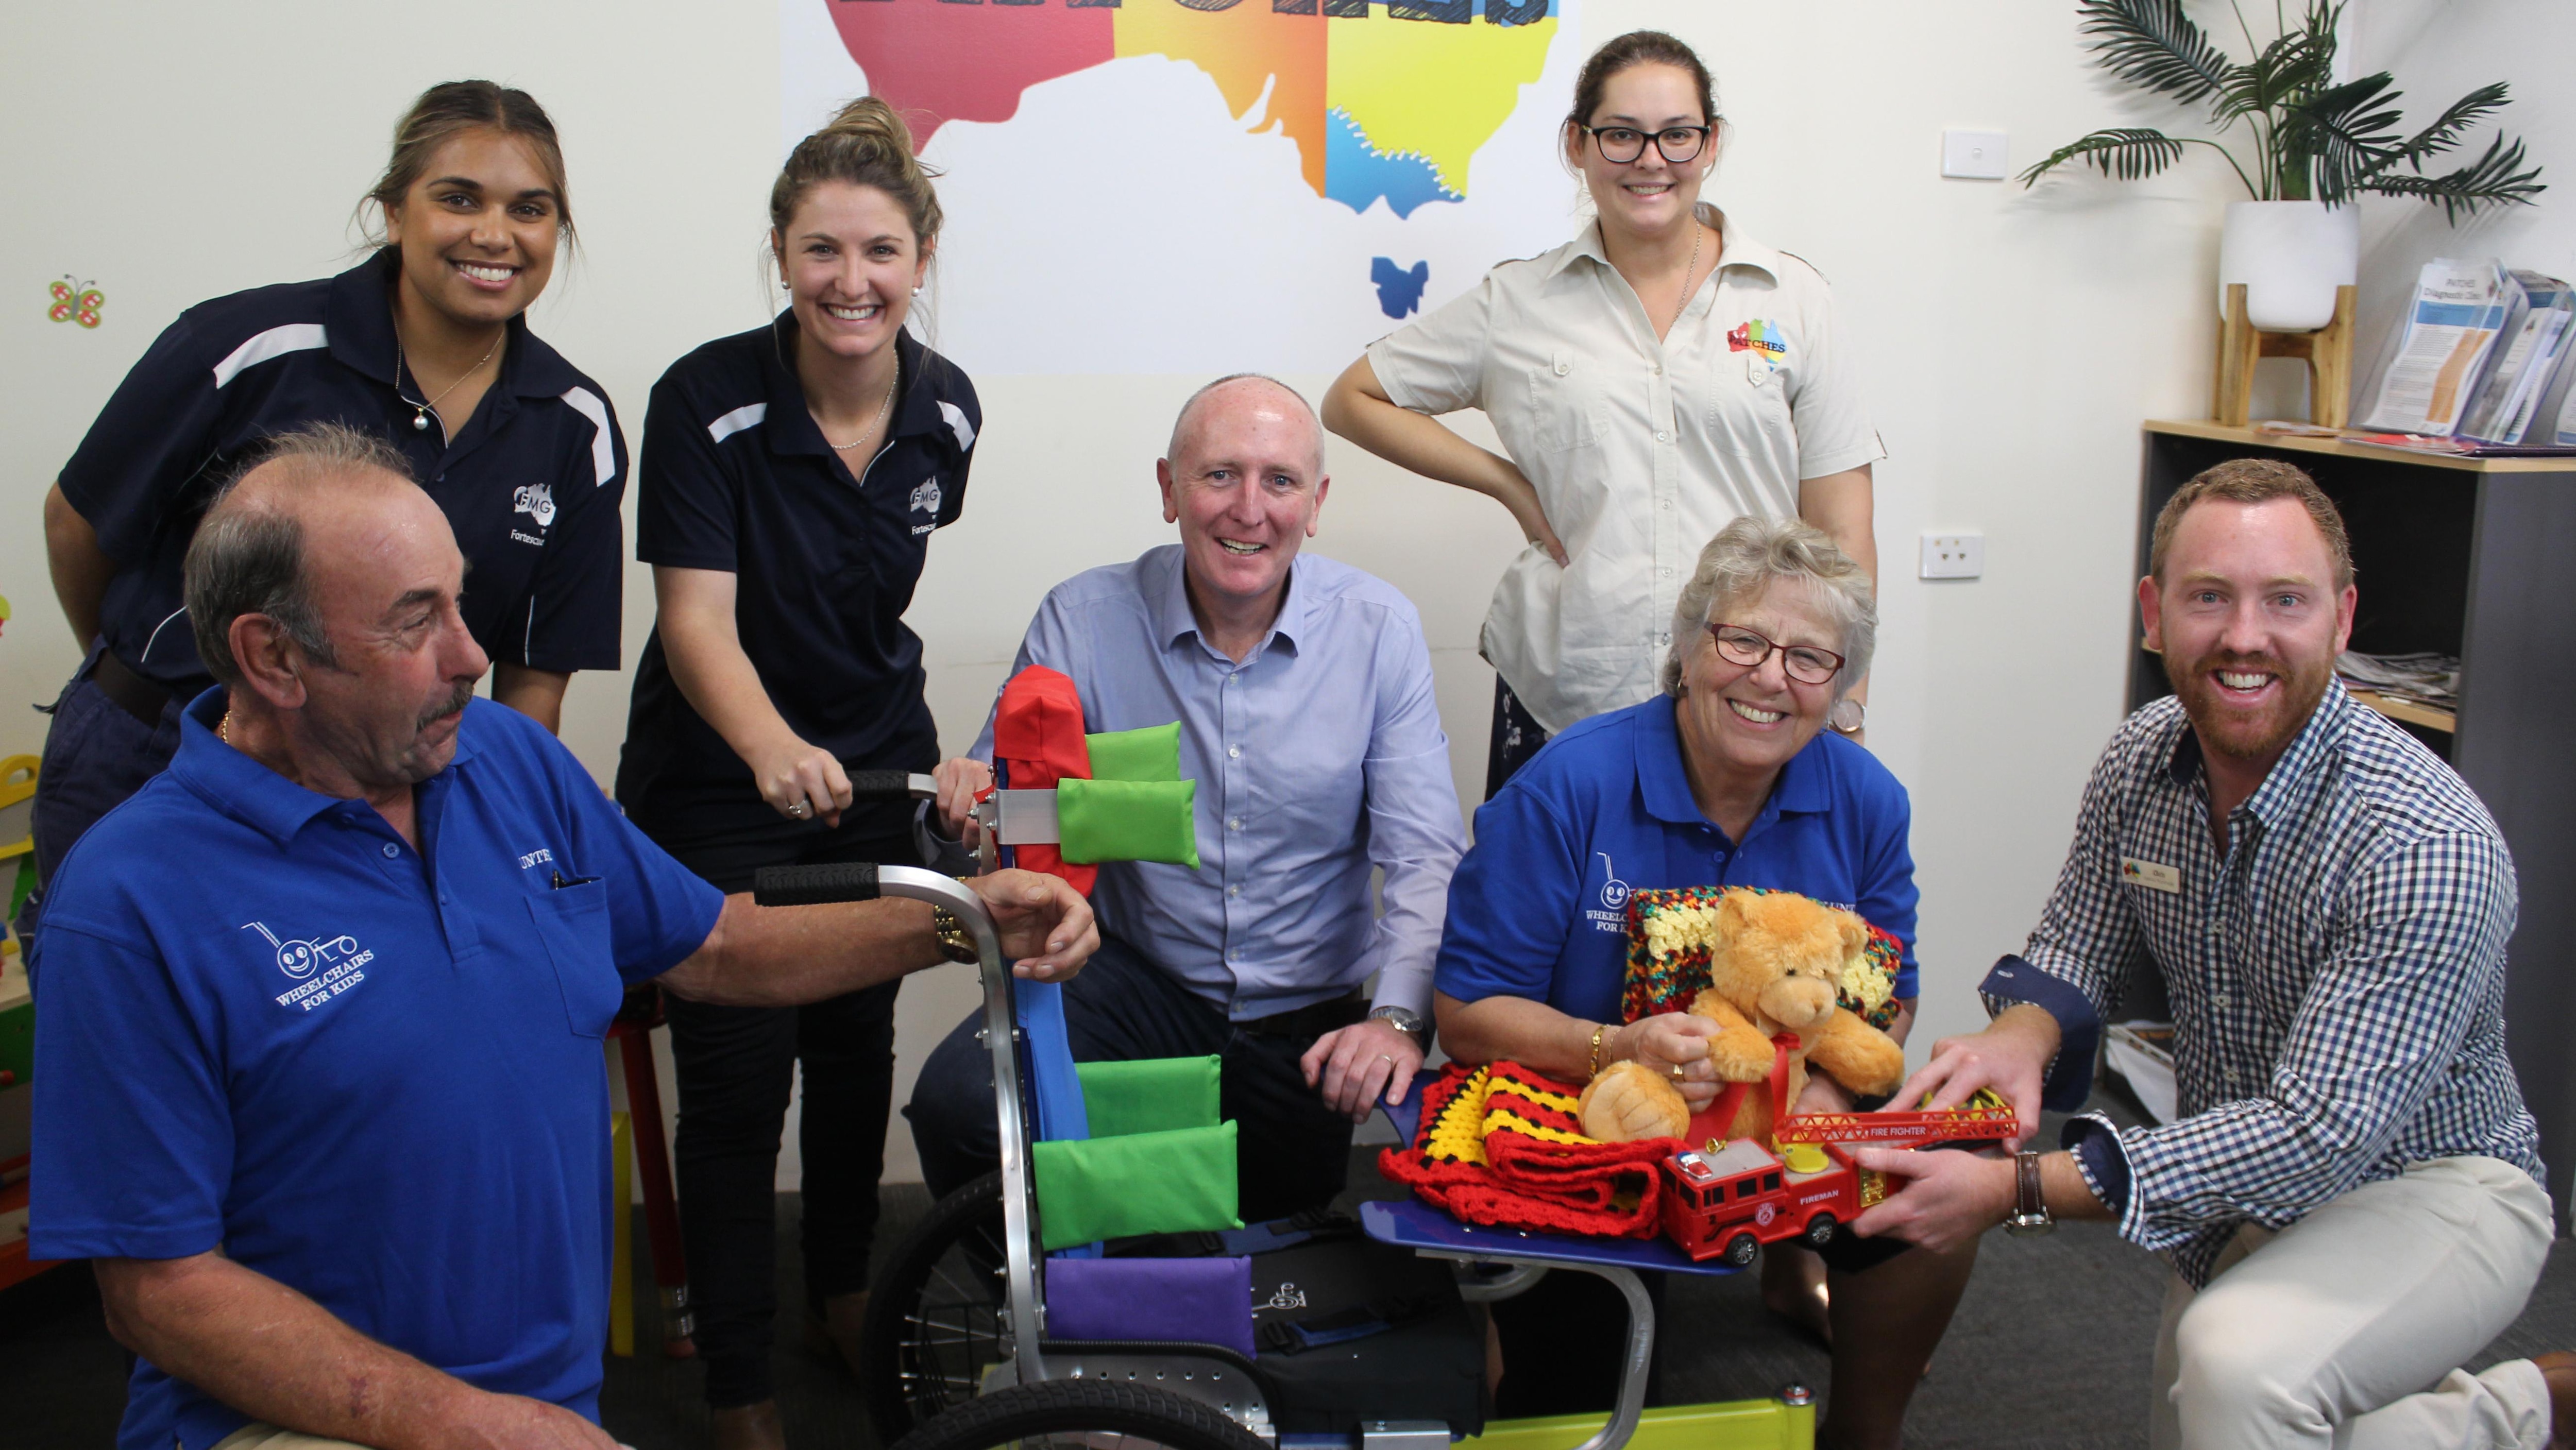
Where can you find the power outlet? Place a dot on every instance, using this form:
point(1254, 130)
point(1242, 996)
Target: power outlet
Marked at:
point(1954, 556)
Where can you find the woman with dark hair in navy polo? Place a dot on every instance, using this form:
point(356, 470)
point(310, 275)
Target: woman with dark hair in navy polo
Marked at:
point(792, 477)
point(1729, 778)
point(424, 344)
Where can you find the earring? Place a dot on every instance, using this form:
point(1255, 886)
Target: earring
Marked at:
point(916, 291)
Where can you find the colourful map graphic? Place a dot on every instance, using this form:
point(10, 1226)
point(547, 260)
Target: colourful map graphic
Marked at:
point(1381, 100)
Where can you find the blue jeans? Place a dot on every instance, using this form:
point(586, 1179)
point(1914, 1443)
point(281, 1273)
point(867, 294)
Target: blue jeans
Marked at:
point(1292, 1152)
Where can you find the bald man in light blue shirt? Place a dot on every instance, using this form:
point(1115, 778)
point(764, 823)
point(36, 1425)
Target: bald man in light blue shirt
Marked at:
point(1303, 689)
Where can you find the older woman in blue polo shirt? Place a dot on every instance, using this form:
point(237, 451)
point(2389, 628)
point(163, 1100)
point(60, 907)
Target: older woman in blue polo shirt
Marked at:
point(1727, 778)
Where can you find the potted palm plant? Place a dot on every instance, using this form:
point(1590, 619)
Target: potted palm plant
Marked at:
point(2316, 145)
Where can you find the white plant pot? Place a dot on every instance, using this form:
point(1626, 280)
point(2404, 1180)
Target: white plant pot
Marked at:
point(2291, 256)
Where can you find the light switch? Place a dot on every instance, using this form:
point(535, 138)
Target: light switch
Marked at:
point(1973, 155)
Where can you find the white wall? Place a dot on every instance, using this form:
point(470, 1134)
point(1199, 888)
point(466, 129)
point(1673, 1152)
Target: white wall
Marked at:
point(2439, 52)
point(2011, 341)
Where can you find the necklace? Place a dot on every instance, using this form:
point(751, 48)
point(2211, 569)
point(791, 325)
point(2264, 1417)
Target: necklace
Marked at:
point(421, 411)
point(882, 409)
point(224, 727)
point(1697, 233)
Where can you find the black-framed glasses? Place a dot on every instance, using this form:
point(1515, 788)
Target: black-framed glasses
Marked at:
point(1805, 663)
point(1623, 144)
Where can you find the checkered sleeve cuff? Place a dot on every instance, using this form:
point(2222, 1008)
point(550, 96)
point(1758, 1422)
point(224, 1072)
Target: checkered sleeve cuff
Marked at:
point(2095, 1146)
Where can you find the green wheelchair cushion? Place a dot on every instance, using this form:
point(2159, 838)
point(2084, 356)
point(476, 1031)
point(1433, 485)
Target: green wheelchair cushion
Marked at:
point(1178, 1181)
point(1151, 1096)
point(1153, 753)
point(1128, 820)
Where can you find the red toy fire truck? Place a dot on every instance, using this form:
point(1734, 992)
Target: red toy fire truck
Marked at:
point(1727, 1199)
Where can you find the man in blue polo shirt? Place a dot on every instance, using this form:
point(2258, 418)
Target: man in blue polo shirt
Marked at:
point(320, 1087)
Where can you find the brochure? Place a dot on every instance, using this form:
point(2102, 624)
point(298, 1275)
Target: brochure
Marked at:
point(2506, 400)
point(2459, 309)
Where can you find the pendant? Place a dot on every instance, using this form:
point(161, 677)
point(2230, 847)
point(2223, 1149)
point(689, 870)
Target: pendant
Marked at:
point(420, 421)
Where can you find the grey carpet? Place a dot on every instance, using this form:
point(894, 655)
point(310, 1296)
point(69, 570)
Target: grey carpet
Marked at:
point(2050, 1350)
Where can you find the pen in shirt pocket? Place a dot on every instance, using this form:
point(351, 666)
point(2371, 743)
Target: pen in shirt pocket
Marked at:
point(561, 883)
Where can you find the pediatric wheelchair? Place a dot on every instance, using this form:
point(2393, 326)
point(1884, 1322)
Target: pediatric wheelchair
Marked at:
point(1133, 1321)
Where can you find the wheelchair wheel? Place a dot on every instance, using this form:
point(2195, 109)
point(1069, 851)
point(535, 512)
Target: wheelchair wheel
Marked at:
point(1082, 1415)
point(936, 1315)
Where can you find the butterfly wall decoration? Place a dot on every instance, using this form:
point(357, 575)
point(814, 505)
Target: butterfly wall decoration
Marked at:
point(75, 301)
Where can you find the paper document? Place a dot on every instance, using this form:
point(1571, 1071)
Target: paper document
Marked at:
point(2429, 679)
point(2457, 312)
point(2141, 1052)
point(2526, 363)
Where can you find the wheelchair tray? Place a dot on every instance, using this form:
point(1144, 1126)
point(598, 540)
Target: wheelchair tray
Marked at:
point(1418, 1226)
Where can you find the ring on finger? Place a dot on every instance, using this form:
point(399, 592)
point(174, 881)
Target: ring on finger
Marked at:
point(1677, 1072)
point(799, 810)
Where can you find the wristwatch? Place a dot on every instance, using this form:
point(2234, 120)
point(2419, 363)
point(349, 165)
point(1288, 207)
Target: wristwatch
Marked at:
point(1848, 715)
point(2030, 1213)
point(954, 943)
point(1404, 1020)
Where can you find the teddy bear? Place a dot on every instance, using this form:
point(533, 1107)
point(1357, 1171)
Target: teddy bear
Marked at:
point(1775, 960)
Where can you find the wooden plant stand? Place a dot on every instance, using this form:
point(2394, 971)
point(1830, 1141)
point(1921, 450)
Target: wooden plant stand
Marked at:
point(2327, 352)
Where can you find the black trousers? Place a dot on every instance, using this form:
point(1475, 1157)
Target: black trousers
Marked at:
point(1515, 740)
point(1292, 1153)
point(96, 755)
point(1564, 1339)
point(736, 1065)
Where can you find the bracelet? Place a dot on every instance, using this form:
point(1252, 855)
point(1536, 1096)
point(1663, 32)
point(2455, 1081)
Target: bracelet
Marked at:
point(954, 943)
point(1597, 1030)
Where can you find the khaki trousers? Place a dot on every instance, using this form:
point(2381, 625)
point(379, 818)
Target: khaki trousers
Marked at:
point(2347, 1328)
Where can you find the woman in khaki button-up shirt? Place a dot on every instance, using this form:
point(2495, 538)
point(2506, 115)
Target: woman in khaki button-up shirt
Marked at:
point(1652, 380)
point(1655, 378)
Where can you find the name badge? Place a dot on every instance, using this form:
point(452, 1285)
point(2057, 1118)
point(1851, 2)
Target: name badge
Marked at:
point(2150, 875)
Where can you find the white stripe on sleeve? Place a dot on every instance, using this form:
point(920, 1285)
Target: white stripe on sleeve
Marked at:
point(603, 448)
point(276, 342)
point(746, 416)
point(958, 425)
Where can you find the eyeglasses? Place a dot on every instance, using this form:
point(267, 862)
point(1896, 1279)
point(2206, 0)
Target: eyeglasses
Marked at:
point(1623, 144)
point(1805, 663)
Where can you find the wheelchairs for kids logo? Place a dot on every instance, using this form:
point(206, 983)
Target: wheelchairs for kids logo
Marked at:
point(338, 961)
point(1613, 912)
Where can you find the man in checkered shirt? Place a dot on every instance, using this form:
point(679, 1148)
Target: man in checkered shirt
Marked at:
point(2350, 1198)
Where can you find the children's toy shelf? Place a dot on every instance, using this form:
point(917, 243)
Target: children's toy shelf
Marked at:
point(2473, 557)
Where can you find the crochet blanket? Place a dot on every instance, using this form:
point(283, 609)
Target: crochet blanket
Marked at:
point(1499, 1145)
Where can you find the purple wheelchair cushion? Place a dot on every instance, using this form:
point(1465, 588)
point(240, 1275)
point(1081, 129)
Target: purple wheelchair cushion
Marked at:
point(1190, 1301)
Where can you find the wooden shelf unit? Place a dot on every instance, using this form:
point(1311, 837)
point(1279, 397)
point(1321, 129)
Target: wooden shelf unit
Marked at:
point(2474, 557)
point(2203, 428)
point(2412, 712)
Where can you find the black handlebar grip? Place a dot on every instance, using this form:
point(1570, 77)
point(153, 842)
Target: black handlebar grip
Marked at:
point(880, 785)
point(815, 885)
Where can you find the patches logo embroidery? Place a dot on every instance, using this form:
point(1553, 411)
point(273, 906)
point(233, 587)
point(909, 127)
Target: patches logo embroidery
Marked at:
point(325, 966)
point(925, 496)
point(1762, 338)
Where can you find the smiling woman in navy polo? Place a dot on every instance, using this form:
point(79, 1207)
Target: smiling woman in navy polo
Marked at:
point(793, 475)
point(1727, 778)
point(424, 344)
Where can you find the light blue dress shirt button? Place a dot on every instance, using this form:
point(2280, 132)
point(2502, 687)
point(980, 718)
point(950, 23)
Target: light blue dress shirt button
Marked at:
point(392, 850)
